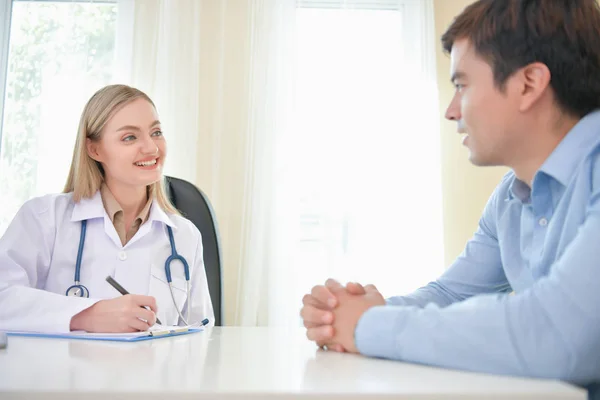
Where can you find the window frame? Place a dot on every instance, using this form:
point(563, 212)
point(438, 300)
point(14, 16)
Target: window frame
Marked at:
point(5, 21)
point(389, 5)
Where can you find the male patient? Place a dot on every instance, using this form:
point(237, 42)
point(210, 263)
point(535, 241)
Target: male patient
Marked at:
point(527, 79)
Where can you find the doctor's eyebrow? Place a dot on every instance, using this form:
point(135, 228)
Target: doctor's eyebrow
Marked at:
point(457, 75)
point(137, 128)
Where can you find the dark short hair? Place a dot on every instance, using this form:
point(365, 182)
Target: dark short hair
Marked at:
point(562, 34)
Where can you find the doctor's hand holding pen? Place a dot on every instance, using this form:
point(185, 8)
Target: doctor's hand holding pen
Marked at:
point(119, 315)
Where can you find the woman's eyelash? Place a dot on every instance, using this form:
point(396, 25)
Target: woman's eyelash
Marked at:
point(129, 138)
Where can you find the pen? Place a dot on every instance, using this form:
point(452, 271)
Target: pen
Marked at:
point(3, 340)
point(122, 290)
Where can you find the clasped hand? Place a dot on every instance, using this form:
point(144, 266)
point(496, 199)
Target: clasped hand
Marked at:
point(331, 312)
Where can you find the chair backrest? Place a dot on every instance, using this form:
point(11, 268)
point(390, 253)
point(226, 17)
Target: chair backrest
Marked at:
point(195, 206)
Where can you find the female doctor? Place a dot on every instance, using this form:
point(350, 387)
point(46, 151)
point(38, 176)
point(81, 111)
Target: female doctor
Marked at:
point(113, 219)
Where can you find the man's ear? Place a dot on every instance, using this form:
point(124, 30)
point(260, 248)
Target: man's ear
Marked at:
point(92, 149)
point(535, 79)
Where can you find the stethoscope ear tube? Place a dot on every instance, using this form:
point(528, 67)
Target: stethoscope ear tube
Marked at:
point(186, 270)
point(80, 251)
point(78, 290)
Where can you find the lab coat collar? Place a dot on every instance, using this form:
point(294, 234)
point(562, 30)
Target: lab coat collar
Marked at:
point(158, 214)
point(88, 208)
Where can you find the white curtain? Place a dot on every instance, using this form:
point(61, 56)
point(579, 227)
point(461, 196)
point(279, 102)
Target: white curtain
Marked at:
point(245, 87)
point(219, 72)
point(158, 51)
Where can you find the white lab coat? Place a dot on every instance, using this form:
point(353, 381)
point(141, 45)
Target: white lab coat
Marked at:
point(39, 249)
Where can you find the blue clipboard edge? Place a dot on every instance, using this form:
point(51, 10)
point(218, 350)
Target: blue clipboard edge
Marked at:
point(103, 338)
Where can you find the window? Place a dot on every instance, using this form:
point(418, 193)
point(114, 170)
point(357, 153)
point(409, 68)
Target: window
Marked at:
point(59, 54)
point(368, 134)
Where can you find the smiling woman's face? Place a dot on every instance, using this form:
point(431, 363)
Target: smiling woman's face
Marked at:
point(132, 149)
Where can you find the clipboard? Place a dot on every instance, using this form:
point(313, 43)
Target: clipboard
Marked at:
point(156, 333)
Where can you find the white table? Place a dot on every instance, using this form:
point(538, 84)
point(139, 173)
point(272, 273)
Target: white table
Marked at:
point(237, 363)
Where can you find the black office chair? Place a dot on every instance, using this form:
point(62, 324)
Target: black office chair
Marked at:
point(195, 206)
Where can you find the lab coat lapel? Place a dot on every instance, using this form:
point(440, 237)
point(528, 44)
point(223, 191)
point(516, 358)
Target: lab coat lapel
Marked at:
point(92, 208)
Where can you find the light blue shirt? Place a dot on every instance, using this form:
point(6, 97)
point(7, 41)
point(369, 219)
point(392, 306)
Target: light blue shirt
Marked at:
point(543, 244)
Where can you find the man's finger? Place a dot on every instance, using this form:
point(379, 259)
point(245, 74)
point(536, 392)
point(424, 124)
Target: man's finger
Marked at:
point(323, 296)
point(355, 288)
point(333, 285)
point(371, 289)
point(311, 301)
point(331, 347)
point(308, 324)
point(336, 347)
point(321, 333)
point(316, 316)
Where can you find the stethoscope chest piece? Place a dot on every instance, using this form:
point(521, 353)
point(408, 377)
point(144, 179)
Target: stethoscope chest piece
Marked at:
point(78, 290)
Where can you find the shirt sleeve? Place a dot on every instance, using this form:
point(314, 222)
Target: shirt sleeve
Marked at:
point(25, 254)
point(478, 270)
point(551, 330)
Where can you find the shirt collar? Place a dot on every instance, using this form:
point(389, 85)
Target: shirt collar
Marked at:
point(520, 190)
point(563, 161)
point(571, 151)
point(112, 206)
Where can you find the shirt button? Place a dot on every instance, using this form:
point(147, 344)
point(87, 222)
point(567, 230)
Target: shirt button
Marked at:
point(122, 256)
point(543, 221)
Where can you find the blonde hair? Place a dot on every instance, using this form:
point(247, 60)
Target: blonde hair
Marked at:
point(86, 174)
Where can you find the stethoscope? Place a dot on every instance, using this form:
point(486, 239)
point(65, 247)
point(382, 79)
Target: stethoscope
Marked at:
point(79, 290)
